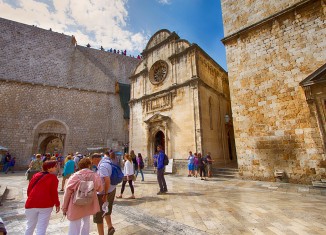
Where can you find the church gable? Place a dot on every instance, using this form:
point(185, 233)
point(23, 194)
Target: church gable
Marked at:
point(158, 38)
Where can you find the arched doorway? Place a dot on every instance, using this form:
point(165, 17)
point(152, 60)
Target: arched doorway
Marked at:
point(159, 140)
point(52, 144)
point(50, 137)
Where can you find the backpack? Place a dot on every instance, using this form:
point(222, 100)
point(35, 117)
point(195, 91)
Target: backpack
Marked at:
point(134, 161)
point(141, 163)
point(116, 175)
point(85, 192)
point(166, 160)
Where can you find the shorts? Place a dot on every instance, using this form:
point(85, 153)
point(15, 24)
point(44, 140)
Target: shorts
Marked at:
point(209, 167)
point(190, 167)
point(98, 217)
point(196, 167)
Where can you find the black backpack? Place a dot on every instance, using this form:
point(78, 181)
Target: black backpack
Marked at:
point(141, 163)
point(166, 160)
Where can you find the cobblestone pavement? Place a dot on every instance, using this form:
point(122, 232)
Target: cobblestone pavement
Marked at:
point(193, 206)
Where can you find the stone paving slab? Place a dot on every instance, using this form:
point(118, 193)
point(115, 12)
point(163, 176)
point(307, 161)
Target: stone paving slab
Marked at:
point(193, 206)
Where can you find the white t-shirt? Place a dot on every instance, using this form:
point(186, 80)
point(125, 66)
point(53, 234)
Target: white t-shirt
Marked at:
point(105, 170)
point(128, 168)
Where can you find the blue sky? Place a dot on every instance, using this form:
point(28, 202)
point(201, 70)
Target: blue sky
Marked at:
point(125, 24)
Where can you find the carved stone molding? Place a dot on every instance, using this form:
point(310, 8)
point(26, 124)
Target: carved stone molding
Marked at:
point(159, 103)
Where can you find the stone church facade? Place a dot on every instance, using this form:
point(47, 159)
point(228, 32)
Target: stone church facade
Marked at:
point(179, 99)
point(276, 53)
point(56, 96)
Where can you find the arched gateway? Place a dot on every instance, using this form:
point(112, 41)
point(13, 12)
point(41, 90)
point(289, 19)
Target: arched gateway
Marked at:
point(49, 137)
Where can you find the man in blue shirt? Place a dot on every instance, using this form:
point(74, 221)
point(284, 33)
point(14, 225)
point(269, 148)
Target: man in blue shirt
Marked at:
point(108, 194)
point(160, 170)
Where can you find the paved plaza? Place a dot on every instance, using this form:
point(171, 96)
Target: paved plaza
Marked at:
point(193, 206)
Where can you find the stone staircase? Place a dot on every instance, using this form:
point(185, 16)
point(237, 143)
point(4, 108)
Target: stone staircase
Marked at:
point(148, 170)
point(319, 184)
point(226, 173)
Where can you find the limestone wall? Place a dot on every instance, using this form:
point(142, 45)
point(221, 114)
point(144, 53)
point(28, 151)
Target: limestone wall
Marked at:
point(87, 115)
point(41, 56)
point(213, 128)
point(180, 136)
point(240, 14)
point(274, 128)
point(44, 77)
point(179, 71)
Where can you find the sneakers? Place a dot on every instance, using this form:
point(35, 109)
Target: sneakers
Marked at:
point(111, 231)
point(160, 193)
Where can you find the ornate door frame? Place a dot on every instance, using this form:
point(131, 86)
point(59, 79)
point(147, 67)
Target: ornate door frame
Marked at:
point(155, 124)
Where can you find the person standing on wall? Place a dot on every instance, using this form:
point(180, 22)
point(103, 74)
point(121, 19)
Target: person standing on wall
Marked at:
point(160, 170)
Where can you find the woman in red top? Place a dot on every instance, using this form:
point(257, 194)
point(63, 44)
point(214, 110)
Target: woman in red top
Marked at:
point(42, 193)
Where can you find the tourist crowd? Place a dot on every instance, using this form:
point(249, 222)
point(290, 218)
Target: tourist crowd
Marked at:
point(88, 186)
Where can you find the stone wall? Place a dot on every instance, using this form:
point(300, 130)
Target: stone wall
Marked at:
point(44, 77)
point(274, 128)
point(240, 14)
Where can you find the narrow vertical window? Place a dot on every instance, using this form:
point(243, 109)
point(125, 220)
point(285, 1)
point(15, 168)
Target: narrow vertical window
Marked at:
point(210, 113)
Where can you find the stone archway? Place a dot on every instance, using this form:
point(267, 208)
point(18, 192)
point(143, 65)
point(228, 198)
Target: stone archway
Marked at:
point(50, 137)
point(51, 144)
point(157, 132)
point(159, 139)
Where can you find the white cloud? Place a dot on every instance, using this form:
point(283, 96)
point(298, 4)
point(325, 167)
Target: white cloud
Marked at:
point(164, 2)
point(98, 22)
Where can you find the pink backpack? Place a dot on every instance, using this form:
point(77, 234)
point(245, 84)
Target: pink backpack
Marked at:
point(85, 192)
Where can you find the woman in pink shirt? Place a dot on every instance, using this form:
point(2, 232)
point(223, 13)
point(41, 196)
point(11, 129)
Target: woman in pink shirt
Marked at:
point(79, 215)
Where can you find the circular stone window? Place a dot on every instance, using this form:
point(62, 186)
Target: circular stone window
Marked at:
point(158, 72)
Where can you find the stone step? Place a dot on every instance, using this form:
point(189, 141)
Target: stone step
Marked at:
point(323, 180)
point(226, 173)
point(226, 170)
point(319, 184)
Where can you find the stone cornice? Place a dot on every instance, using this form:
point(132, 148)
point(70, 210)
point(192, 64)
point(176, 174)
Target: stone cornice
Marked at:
point(195, 48)
point(193, 81)
point(201, 82)
point(267, 20)
point(143, 72)
point(55, 86)
point(169, 89)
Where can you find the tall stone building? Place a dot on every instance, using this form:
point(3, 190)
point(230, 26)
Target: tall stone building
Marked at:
point(56, 96)
point(179, 99)
point(276, 53)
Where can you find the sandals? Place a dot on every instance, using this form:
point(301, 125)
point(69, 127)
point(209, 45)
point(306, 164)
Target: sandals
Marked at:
point(131, 197)
point(111, 231)
point(119, 196)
